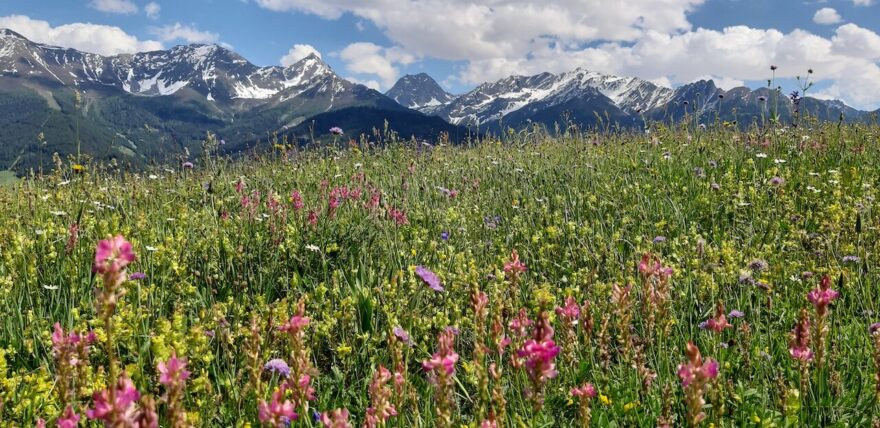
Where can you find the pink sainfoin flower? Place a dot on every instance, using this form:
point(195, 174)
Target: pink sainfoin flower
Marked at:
point(380, 400)
point(70, 347)
point(297, 200)
point(695, 374)
point(68, 419)
point(336, 419)
point(113, 255)
point(313, 218)
point(72, 237)
point(584, 393)
point(520, 323)
point(538, 355)
point(719, 323)
point(570, 312)
point(822, 296)
point(585, 390)
point(299, 382)
point(278, 412)
point(441, 368)
point(398, 216)
point(118, 411)
point(514, 266)
point(650, 266)
point(799, 346)
point(172, 372)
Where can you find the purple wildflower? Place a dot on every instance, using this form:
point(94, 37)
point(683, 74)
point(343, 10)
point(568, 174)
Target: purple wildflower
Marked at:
point(659, 239)
point(137, 276)
point(444, 235)
point(430, 278)
point(336, 130)
point(851, 259)
point(188, 165)
point(277, 366)
point(402, 334)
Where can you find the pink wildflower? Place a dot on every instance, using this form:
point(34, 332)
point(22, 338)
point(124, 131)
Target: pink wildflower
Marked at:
point(799, 346)
point(336, 419)
point(113, 255)
point(823, 295)
point(172, 372)
point(68, 419)
point(514, 267)
point(278, 412)
point(121, 410)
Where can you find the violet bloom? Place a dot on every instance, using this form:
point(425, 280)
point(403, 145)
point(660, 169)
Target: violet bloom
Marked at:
point(277, 366)
point(402, 335)
point(137, 276)
point(336, 130)
point(444, 235)
point(777, 181)
point(430, 278)
point(735, 314)
point(188, 165)
point(759, 265)
point(659, 239)
point(851, 259)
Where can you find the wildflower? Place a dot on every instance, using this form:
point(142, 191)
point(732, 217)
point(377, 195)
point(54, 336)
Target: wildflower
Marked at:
point(719, 323)
point(799, 346)
point(402, 334)
point(278, 412)
point(118, 411)
point(72, 237)
point(777, 181)
point(823, 295)
point(68, 419)
point(441, 367)
point(659, 240)
point(113, 255)
point(277, 366)
point(77, 168)
point(188, 165)
point(173, 375)
point(429, 278)
point(444, 235)
point(297, 200)
point(514, 266)
point(735, 314)
point(850, 259)
point(585, 394)
point(380, 400)
point(136, 276)
point(538, 354)
point(695, 374)
point(336, 131)
point(758, 265)
point(335, 419)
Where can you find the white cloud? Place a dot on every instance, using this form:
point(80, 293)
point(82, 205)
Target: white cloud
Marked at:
point(99, 39)
point(470, 30)
point(827, 16)
point(863, 2)
point(372, 59)
point(152, 10)
point(298, 52)
point(124, 7)
point(372, 84)
point(187, 33)
point(855, 41)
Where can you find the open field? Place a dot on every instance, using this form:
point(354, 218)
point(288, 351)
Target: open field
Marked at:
point(340, 264)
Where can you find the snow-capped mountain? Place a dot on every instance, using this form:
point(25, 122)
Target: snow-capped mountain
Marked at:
point(146, 106)
point(419, 92)
point(216, 73)
point(490, 102)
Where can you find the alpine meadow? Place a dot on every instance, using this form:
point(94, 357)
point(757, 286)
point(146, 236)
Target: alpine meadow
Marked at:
point(554, 235)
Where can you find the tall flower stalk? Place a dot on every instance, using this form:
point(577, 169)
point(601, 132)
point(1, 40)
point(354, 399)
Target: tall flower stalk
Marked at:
point(695, 374)
point(441, 369)
point(821, 297)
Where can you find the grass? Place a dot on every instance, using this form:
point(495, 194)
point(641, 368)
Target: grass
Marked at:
point(581, 209)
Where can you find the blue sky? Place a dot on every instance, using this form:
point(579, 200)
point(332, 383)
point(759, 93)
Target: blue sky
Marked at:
point(462, 43)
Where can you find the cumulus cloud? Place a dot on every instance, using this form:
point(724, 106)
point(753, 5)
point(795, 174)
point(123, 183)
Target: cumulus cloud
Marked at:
point(863, 2)
point(468, 30)
point(99, 39)
point(827, 16)
point(298, 52)
point(372, 59)
point(123, 7)
point(152, 10)
point(187, 33)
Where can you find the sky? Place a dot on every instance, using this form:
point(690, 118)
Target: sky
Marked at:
point(462, 43)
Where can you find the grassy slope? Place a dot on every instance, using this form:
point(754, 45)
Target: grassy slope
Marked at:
point(581, 210)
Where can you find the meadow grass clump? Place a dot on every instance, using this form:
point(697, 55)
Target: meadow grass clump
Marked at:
point(686, 277)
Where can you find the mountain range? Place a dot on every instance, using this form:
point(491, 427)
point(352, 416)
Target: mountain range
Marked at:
point(158, 106)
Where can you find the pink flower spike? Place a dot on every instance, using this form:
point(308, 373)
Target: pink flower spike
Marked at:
point(514, 267)
point(113, 255)
point(173, 371)
point(586, 390)
point(68, 419)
